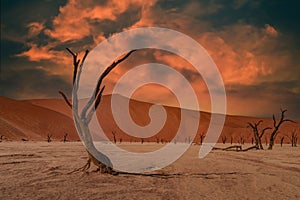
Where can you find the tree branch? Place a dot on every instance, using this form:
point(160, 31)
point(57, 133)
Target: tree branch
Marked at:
point(263, 131)
point(97, 91)
point(65, 98)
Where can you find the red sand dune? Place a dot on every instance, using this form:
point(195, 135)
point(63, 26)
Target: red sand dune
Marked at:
point(34, 119)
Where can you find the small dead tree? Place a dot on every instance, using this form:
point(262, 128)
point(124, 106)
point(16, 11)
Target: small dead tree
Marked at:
point(49, 137)
point(277, 126)
point(84, 117)
point(281, 141)
point(202, 136)
point(114, 136)
point(256, 134)
point(293, 138)
point(242, 140)
point(224, 139)
point(231, 139)
point(65, 137)
point(157, 140)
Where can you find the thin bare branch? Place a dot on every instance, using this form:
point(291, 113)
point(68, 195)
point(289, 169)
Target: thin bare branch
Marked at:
point(263, 131)
point(257, 124)
point(274, 121)
point(65, 98)
point(96, 93)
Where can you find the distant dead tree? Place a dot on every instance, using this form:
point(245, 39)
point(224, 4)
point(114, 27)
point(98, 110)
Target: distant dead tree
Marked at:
point(242, 140)
point(202, 136)
point(157, 140)
point(223, 139)
point(277, 126)
point(49, 137)
point(281, 141)
point(293, 138)
point(83, 119)
point(142, 140)
point(65, 137)
point(231, 139)
point(256, 134)
point(114, 136)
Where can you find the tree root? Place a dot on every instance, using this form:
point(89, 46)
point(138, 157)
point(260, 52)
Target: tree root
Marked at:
point(102, 168)
point(237, 148)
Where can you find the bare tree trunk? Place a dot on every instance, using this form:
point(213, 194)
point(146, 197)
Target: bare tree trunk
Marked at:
point(276, 127)
point(83, 119)
point(256, 134)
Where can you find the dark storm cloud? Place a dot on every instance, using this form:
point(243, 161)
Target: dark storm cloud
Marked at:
point(255, 43)
point(16, 84)
point(276, 95)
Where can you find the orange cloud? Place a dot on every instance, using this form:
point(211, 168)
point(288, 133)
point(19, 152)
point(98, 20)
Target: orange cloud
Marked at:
point(35, 28)
point(271, 30)
point(36, 53)
point(74, 19)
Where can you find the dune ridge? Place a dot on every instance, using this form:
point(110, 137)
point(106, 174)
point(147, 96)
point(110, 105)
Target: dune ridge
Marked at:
point(35, 119)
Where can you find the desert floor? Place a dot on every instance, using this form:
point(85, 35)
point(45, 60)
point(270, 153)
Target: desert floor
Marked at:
point(39, 170)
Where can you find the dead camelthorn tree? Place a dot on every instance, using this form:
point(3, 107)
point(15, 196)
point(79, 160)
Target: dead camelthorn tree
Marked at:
point(293, 138)
point(257, 135)
point(281, 141)
point(65, 137)
point(224, 139)
point(157, 140)
point(277, 126)
point(114, 136)
point(49, 137)
point(83, 118)
point(202, 136)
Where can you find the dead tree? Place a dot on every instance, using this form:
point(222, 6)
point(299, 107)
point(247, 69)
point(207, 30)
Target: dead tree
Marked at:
point(281, 141)
point(293, 138)
point(49, 137)
point(242, 140)
point(276, 127)
point(65, 137)
point(224, 139)
point(202, 136)
point(114, 136)
point(231, 139)
point(256, 134)
point(84, 117)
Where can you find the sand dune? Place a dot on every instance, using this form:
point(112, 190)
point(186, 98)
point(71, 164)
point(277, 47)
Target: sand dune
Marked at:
point(34, 119)
point(23, 120)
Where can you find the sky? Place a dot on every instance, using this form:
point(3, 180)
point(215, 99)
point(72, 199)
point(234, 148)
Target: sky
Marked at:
point(254, 43)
